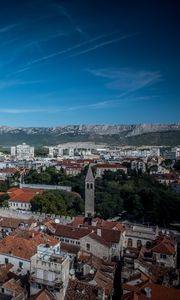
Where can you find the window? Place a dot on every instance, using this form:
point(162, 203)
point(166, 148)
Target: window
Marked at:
point(20, 264)
point(163, 256)
point(88, 247)
point(91, 185)
point(129, 242)
point(139, 243)
point(6, 260)
point(87, 185)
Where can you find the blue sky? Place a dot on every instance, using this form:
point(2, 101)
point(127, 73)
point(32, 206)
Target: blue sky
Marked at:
point(92, 62)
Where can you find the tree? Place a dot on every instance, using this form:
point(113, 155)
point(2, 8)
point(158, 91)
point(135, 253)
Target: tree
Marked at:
point(177, 165)
point(42, 152)
point(4, 200)
point(58, 202)
point(4, 186)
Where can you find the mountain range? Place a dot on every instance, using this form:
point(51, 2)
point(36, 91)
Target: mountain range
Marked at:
point(135, 134)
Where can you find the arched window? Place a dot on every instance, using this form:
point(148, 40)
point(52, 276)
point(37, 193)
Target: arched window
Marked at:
point(129, 244)
point(139, 243)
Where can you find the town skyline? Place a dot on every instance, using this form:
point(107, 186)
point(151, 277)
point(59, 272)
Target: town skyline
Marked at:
point(89, 63)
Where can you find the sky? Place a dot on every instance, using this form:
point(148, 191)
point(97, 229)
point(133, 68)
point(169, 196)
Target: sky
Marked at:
point(89, 62)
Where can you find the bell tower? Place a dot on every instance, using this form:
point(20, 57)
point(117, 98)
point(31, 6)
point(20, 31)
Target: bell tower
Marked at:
point(89, 193)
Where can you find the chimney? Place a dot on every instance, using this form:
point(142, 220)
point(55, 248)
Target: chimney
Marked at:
point(99, 231)
point(148, 292)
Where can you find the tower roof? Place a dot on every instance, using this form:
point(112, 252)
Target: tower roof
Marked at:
point(89, 176)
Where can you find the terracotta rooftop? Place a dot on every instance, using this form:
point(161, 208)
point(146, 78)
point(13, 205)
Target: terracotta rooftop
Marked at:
point(159, 292)
point(69, 248)
point(23, 195)
point(4, 270)
point(138, 290)
point(43, 295)
point(110, 166)
point(98, 223)
point(99, 239)
point(164, 245)
point(14, 286)
point(105, 270)
point(9, 170)
point(69, 231)
point(78, 290)
point(23, 243)
point(14, 223)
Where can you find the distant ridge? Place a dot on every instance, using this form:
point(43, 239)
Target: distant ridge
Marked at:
point(135, 134)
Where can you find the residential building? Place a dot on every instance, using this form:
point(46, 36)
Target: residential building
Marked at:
point(13, 290)
point(137, 236)
point(8, 225)
point(23, 151)
point(138, 165)
point(101, 167)
point(50, 269)
point(21, 198)
point(20, 246)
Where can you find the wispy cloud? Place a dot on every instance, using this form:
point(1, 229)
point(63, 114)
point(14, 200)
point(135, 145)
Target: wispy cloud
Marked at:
point(8, 28)
point(100, 45)
point(127, 80)
point(112, 102)
point(77, 46)
point(73, 22)
point(10, 83)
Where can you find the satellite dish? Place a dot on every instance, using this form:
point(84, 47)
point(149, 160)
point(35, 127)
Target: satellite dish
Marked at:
point(91, 271)
point(57, 221)
point(72, 272)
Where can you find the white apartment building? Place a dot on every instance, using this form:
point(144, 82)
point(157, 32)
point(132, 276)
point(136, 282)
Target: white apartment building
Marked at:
point(23, 151)
point(50, 268)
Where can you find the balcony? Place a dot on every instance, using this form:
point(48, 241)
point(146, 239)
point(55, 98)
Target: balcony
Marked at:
point(57, 283)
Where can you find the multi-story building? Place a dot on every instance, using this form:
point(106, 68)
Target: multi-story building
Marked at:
point(138, 165)
point(23, 151)
point(101, 167)
point(50, 268)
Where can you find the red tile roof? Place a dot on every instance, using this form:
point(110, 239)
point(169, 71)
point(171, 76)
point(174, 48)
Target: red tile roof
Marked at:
point(69, 231)
point(110, 166)
point(4, 270)
point(78, 290)
point(23, 243)
point(22, 195)
point(99, 239)
point(14, 286)
point(160, 292)
point(14, 223)
point(43, 295)
point(69, 248)
point(9, 170)
point(164, 246)
point(138, 291)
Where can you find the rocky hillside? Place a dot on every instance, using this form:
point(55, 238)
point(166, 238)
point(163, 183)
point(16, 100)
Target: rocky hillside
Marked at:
point(166, 134)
